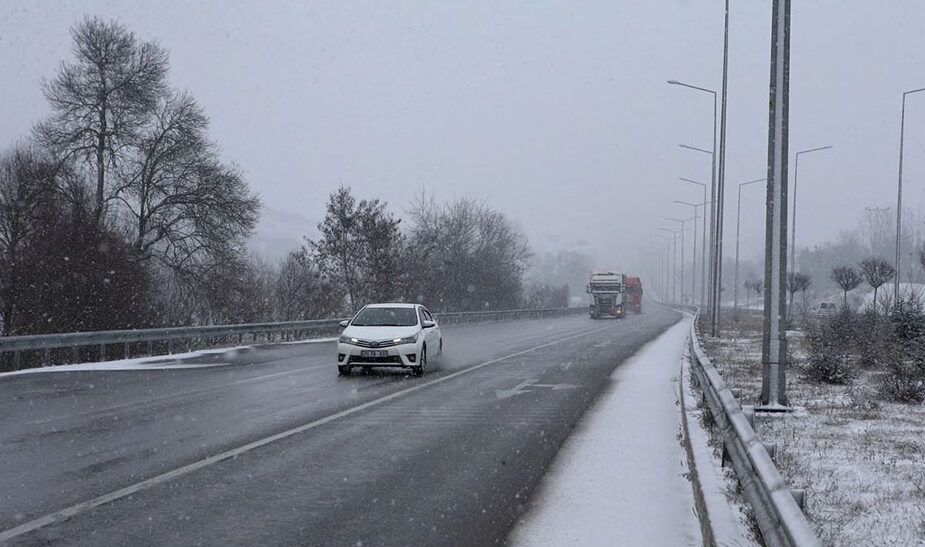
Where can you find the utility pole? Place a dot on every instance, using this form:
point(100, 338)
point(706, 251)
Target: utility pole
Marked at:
point(774, 343)
point(720, 183)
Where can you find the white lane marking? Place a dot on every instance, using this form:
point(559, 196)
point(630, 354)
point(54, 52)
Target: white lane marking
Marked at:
point(74, 510)
point(525, 387)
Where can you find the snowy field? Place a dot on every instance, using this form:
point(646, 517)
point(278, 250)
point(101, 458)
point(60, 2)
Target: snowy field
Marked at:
point(860, 459)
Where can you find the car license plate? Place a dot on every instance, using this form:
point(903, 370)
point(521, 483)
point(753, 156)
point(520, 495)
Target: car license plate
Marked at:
point(374, 353)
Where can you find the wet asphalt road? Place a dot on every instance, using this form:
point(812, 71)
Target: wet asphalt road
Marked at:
point(379, 458)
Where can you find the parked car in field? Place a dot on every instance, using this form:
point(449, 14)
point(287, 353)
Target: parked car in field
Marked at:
point(389, 335)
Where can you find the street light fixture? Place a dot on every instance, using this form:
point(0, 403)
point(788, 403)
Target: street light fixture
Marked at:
point(899, 195)
point(694, 261)
point(703, 235)
point(669, 246)
point(793, 220)
point(713, 208)
point(735, 291)
point(681, 231)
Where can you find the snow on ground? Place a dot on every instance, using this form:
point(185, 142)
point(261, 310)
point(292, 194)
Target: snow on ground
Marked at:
point(860, 459)
point(726, 508)
point(158, 362)
point(620, 478)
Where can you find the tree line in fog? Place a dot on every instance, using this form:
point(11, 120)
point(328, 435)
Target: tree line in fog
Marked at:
point(118, 212)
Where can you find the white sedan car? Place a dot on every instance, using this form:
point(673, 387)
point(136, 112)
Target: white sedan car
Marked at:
point(389, 335)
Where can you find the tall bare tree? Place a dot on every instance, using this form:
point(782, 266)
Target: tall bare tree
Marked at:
point(848, 279)
point(102, 98)
point(361, 249)
point(185, 207)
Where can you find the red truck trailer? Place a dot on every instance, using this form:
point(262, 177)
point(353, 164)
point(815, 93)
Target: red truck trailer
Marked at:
point(634, 294)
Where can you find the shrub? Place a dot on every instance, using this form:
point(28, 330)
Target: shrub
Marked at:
point(829, 351)
point(903, 383)
point(871, 337)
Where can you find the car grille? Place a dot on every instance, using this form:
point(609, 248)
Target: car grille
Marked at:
point(375, 343)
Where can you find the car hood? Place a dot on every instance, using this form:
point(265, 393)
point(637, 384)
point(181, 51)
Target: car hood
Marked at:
point(380, 333)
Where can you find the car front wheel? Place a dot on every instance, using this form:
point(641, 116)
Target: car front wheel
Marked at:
point(419, 370)
point(343, 370)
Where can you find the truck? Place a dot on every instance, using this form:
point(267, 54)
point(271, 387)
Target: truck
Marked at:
point(634, 294)
point(608, 292)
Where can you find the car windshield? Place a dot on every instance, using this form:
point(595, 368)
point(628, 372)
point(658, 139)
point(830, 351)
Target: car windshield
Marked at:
point(386, 317)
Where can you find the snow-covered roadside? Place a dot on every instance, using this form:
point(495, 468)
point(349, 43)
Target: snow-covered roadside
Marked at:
point(858, 457)
point(726, 516)
point(620, 477)
point(159, 362)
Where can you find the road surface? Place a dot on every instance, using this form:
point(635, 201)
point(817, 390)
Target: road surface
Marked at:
point(270, 446)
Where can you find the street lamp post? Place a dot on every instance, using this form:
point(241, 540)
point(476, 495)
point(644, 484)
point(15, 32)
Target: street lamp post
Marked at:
point(681, 231)
point(899, 195)
point(793, 219)
point(735, 291)
point(694, 254)
point(703, 236)
point(669, 246)
point(774, 340)
point(713, 207)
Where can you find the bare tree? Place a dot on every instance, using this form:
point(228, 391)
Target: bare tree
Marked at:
point(360, 248)
point(302, 292)
point(797, 282)
point(27, 188)
point(185, 207)
point(876, 272)
point(100, 100)
point(848, 279)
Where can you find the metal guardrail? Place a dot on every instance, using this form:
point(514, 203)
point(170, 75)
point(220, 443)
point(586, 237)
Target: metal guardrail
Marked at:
point(165, 338)
point(779, 516)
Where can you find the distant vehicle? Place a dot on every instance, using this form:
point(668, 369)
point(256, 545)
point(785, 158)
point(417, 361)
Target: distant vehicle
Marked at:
point(608, 291)
point(634, 294)
point(389, 335)
point(827, 308)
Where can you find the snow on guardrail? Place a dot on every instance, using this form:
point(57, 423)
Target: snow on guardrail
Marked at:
point(779, 516)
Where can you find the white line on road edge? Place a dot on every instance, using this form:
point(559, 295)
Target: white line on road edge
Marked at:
point(74, 510)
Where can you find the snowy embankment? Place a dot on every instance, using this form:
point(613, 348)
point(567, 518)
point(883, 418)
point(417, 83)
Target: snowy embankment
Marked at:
point(159, 362)
point(860, 459)
point(622, 477)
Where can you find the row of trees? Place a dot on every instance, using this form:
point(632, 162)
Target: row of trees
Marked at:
point(118, 212)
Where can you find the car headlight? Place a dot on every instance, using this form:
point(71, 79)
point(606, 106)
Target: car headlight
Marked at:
point(407, 340)
point(347, 340)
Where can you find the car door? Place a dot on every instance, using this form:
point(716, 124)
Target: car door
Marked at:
point(431, 335)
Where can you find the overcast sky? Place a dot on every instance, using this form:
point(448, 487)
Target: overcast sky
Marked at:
point(556, 113)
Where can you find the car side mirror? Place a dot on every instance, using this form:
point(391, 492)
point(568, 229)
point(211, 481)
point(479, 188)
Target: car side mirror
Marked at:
point(428, 324)
point(344, 324)
point(588, 289)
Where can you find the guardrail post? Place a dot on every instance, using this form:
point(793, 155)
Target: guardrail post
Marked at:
point(46, 358)
point(771, 448)
point(749, 412)
point(102, 352)
point(17, 359)
point(127, 352)
point(800, 496)
point(170, 346)
point(150, 348)
point(75, 354)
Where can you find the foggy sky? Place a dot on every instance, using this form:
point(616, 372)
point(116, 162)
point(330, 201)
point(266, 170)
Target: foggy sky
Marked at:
point(557, 114)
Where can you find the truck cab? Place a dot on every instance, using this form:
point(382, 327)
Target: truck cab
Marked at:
point(607, 289)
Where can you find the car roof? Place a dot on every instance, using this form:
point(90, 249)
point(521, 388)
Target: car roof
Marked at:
point(392, 305)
